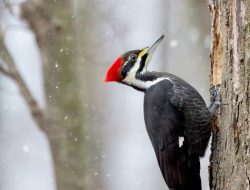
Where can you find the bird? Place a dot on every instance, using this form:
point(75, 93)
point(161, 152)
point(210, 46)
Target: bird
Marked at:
point(177, 120)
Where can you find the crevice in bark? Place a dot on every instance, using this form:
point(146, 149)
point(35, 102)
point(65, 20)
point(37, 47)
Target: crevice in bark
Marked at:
point(230, 49)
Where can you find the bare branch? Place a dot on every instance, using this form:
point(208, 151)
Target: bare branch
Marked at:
point(8, 6)
point(4, 70)
point(9, 69)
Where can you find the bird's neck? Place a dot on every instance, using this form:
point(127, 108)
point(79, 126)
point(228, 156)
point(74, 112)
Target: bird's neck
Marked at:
point(142, 81)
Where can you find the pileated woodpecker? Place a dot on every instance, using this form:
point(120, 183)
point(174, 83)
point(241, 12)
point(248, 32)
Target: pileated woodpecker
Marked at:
point(177, 119)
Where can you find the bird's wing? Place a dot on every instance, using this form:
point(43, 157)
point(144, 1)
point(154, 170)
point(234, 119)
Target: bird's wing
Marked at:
point(165, 126)
point(197, 118)
point(164, 131)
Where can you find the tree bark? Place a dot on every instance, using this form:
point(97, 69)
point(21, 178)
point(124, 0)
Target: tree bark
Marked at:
point(230, 67)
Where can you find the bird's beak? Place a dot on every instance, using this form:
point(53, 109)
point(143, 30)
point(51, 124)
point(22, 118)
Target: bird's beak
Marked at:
point(150, 50)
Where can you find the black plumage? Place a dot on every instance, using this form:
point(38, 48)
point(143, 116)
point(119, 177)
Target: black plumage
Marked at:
point(174, 109)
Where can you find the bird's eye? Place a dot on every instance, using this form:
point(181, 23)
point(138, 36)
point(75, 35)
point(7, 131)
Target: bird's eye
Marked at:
point(133, 57)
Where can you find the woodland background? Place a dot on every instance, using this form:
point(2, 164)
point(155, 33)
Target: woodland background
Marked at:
point(95, 137)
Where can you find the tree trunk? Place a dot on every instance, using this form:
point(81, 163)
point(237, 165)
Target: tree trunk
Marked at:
point(230, 67)
point(52, 23)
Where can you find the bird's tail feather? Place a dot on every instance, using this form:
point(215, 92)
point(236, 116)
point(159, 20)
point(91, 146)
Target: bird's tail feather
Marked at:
point(180, 170)
point(191, 172)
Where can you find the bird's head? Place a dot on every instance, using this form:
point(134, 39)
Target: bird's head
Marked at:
point(131, 64)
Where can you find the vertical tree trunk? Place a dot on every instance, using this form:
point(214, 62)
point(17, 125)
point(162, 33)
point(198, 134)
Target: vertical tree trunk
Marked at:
point(52, 23)
point(230, 66)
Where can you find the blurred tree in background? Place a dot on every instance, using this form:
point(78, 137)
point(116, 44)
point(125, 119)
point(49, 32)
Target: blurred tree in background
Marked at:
point(62, 119)
point(52, 23)
point(96, 133)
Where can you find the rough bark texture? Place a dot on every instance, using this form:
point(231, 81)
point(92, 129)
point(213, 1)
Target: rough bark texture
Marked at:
point(52, 23)
point(230, 66)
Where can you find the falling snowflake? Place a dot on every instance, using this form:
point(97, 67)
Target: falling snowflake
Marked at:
point(173, 43)
point(25, 148)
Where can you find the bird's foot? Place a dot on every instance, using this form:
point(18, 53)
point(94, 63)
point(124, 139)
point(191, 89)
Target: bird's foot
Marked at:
point(215, 98)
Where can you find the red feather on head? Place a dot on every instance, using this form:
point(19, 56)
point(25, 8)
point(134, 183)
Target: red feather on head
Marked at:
point(113, 73)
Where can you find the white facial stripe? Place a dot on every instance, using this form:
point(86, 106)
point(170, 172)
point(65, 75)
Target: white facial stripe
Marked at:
point(131, 80)
point(135, 68)
point(131, 74)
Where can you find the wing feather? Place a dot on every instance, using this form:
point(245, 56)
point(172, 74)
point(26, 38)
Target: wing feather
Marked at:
point(168, 116)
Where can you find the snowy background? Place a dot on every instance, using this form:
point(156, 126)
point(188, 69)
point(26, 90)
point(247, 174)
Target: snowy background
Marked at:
point(113, 113)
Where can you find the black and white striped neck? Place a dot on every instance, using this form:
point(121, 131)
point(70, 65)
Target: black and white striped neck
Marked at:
point(143, 81)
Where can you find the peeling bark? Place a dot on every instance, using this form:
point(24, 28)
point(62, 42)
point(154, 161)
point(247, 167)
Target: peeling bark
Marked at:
point(230, 67)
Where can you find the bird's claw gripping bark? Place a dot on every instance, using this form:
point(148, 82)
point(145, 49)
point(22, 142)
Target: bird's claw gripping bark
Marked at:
point(215, 98)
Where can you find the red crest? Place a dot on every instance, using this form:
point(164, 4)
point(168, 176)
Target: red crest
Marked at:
point(113, 73)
